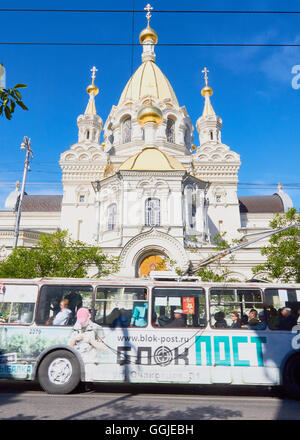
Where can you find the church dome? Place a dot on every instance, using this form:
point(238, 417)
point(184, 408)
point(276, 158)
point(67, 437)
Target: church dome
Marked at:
point(149, 113)
point(206, 91)
point(148, 80)
point(151, 159)
point(92, 88)
point(148, 34)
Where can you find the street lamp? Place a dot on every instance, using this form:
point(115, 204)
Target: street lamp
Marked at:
point(25, 146)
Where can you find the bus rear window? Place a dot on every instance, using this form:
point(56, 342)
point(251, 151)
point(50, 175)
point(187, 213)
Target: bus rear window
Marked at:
point(283, 308)
point(178, 307)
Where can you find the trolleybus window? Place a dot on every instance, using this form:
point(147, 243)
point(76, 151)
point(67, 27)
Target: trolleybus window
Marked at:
point(237, 308)
point(179, 307)
point(121, 306)
point(58, 304)
point(283, 308)
point(17, 303)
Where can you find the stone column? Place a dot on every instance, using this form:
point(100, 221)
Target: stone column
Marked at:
point(188, 191)
point(200, 212)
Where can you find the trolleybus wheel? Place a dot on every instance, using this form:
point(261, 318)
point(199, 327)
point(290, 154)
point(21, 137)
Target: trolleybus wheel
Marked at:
point(59, 372)
point(291, 378)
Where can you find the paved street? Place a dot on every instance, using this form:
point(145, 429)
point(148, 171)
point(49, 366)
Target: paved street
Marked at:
point(25, 401)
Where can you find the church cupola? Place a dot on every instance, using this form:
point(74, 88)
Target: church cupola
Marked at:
point(149, 117)
point(90, 124)
point(209, 124)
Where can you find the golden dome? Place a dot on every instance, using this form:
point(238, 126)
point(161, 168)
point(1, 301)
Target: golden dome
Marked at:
point(151, 159)
point(206, 90)
point(92, 88)
point(148, 80)
point(149, 113)
point(150, 33)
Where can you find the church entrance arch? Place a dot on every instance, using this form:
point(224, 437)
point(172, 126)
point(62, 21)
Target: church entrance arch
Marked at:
point(149, 263)
point(150, 243)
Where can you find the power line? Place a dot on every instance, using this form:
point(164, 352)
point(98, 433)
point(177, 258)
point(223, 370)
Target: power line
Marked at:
point(30, 43)
point(157, 11)
point(296, 185)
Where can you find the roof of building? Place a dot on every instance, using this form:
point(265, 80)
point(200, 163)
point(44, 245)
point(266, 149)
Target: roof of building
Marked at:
point(151, 159)
point(41, 203)
point(148, 80)
point(262, 204)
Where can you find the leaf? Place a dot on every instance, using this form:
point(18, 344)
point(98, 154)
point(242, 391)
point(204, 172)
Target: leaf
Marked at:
point(18, 94)
point(20, 86)
point(12, 106)
point(22, 105)
point(7, 112)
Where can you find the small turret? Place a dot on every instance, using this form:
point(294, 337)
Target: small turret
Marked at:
point(90, 124)
point(209, 124)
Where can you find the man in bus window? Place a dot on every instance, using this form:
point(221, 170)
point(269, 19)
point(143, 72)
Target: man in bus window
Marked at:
point(255, 324)
point(253, 319)
point(64, 315)
point(287, 320)
point(178, 320)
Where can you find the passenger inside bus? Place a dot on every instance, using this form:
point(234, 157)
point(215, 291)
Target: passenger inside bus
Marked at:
point(257, 321)
point(220, 321)
point(235, 318)
point(75, 301)
point(64, 316)
point(287, 320)
point(139, 314)
point(244, 319)
point(178, 320)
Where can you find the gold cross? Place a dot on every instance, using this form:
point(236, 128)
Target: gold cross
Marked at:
point(205, 71)
point(148, 15)
point(94, 70)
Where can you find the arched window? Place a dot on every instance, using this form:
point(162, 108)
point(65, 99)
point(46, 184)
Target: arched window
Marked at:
point(126, 130)
point(112, 217)
point(152, 212)
point(170, 130)
point(88, 134)
point(187, 137)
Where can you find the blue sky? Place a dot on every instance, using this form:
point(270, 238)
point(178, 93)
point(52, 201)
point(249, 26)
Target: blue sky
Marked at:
point(253, 90)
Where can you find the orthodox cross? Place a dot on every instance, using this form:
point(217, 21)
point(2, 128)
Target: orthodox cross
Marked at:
point(94, 70)
point(148, 15)
point(205, 71)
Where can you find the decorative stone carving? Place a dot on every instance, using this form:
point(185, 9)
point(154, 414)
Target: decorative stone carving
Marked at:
point(153, 238)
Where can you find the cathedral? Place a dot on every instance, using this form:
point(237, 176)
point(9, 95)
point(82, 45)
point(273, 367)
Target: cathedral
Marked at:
point(147, 194)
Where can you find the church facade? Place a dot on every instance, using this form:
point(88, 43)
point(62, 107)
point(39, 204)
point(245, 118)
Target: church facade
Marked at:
point(147, 194)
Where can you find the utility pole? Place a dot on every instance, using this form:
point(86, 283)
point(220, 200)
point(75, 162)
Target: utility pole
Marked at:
point(25, 146)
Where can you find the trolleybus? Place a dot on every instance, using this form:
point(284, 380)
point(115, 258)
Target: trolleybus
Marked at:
point(149, 331)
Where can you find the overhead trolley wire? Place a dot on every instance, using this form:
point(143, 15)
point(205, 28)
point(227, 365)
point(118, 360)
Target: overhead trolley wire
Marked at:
point(157, 11)
point(30, 43)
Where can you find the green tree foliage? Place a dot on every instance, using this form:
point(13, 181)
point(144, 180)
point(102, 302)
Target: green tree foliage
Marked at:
point(56, 255)
point(282, 251)
point(9, 98)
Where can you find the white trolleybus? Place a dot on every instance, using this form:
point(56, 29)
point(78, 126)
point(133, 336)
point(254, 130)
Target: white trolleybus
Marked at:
point(65, 331)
